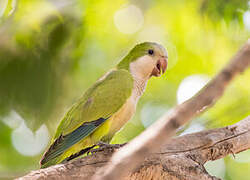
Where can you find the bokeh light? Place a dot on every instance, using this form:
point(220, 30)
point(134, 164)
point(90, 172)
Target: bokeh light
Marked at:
point(150, 113)
point(216, 168)
point(155, 33)
point(246, 20)
point(243, 157)
point(28, 143)
point(195, 127)
point(13, 119)
point(190, 86)
point(129, 19)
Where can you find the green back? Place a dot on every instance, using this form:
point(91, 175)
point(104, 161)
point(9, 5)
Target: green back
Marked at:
point(102, 100)
point(99, 103)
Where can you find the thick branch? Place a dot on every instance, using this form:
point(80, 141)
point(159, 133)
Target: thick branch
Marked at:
point(132, 155)
point(182, 158)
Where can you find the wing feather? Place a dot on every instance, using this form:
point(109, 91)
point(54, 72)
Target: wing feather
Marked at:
point(98, 103)
point(65, 142)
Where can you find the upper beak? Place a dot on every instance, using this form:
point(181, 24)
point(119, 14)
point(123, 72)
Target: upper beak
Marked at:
point(160, 67)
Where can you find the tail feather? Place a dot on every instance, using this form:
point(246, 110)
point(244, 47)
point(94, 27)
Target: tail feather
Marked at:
point(50, 162)
point(63, 143)
point(58, 160)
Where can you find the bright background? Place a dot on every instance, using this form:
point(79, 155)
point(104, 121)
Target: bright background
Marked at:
point(51, 51)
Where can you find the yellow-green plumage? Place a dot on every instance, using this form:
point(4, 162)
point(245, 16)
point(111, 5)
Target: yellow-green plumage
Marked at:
point(102, 100)
point(105, 107)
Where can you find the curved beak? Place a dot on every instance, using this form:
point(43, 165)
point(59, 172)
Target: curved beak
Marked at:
point(160, 67)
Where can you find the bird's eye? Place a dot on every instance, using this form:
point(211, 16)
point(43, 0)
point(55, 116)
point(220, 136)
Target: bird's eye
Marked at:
point(151, 51)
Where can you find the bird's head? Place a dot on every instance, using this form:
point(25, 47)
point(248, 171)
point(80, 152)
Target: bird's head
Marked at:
point(145, 60)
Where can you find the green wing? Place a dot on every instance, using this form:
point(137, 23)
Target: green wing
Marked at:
point(64, 142)
point(98, 103)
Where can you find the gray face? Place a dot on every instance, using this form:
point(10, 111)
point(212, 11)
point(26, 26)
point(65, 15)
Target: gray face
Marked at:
point(160, 50)
point(160, 56)
point(153, 62)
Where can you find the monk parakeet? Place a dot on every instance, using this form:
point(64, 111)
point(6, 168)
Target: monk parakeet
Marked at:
point(107, 105)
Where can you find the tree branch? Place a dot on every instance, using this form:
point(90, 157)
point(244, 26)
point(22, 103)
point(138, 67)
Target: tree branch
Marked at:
point(182, 158)
point(132, 155)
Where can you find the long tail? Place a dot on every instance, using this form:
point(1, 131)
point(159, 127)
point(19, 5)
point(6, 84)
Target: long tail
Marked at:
point(62, 147)
point(58, 159)
point(51, 162)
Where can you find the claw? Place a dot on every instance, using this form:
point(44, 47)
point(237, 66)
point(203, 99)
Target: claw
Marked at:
point(103, 146)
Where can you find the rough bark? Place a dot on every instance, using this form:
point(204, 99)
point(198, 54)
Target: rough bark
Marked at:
point(182, 158)
point(131, 156)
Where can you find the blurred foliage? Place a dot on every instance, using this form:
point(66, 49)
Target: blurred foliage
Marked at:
point(51, 51)
point(224, 9)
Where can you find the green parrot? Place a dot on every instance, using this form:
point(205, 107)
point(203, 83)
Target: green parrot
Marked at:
point(107, 105)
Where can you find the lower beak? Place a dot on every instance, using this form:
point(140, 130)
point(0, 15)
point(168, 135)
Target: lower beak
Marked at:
point(160, 67)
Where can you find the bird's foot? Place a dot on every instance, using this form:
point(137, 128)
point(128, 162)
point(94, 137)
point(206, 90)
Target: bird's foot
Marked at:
point(103, 146)
point(106, 145)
